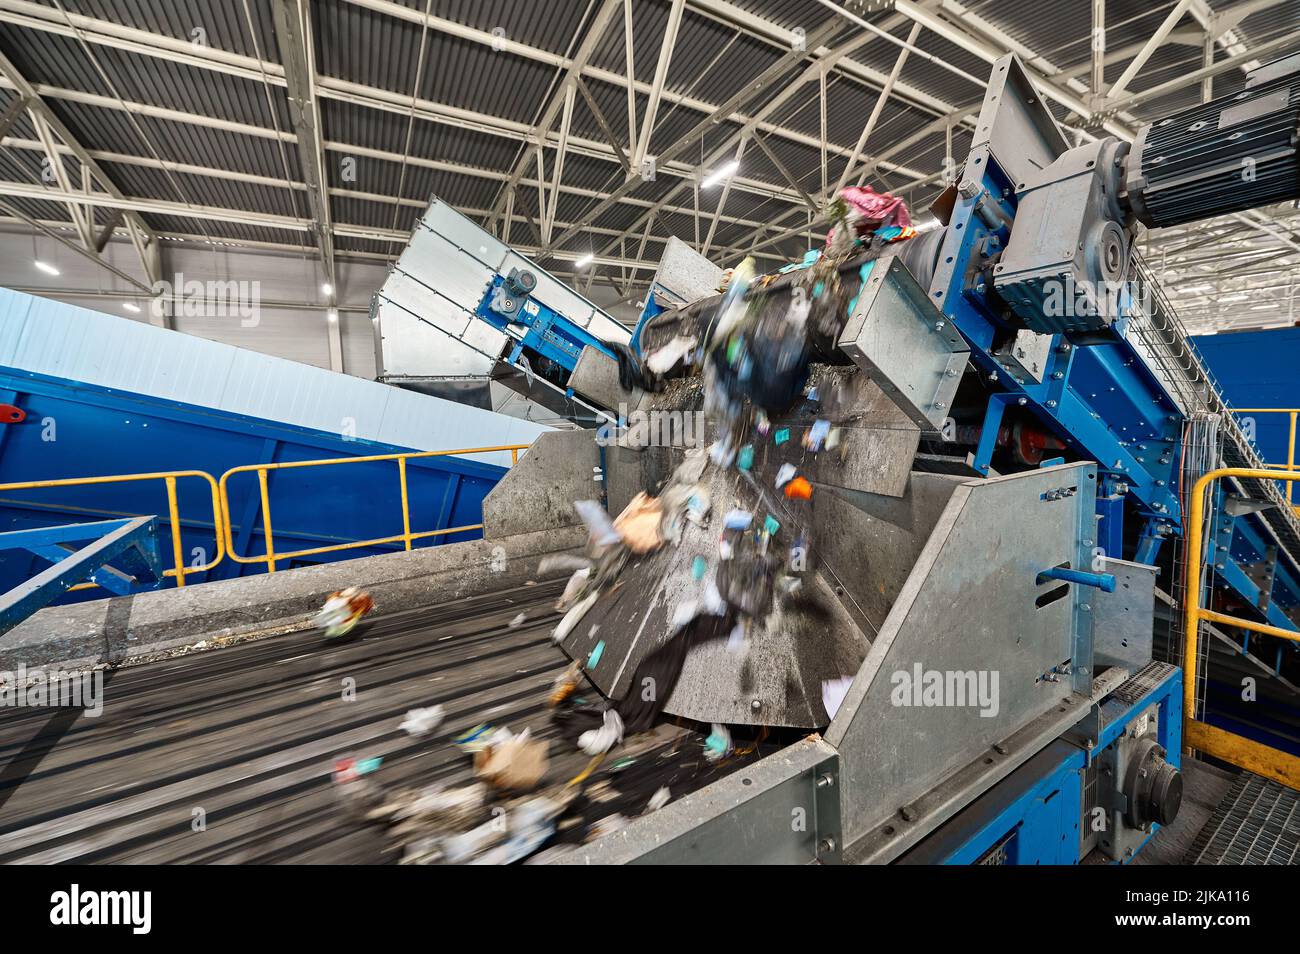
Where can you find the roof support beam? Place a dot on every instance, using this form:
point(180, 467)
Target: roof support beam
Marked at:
point(561, 98)
point(565, 123)
point(629, 67)
point(751, 25)
point(657, 87)
point(1097, 73)
point(1151, 45)
point(293, 31)
point(753, 88)
point(12, 115)
point(726, 192)
point(1194, 77)
point(46, 229)
point(1222, 27)
point(599, 116)
point(825, 32)
point(353, 150)
point(785, 173)
point(81, 219)
point(878, 108)
point(25, 190)
point(146, 241)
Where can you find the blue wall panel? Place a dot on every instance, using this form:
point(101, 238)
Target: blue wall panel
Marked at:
point(74, 429)
point(1258, 369)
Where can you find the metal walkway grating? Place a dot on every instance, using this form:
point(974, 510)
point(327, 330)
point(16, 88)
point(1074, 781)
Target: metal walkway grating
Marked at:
point(1257, 823)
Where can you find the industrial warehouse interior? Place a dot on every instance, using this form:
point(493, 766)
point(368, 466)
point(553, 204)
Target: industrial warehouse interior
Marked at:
point(685, 432)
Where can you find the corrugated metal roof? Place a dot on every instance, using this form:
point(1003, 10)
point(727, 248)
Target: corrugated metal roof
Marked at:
point(719, 49)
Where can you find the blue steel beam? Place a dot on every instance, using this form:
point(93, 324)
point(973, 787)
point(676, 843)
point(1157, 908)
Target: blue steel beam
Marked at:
point(1097, 393)
point(135, 540)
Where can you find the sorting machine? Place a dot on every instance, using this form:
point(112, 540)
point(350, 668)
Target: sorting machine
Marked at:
point(1026, 418)
point(461, 309)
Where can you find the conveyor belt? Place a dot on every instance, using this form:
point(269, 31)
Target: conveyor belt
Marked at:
point(249, 734)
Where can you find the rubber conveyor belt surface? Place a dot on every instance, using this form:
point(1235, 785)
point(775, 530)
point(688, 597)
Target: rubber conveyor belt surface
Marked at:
point(249, 734)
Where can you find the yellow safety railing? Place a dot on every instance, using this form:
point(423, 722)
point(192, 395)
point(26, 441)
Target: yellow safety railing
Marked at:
point(1293, 413)
point(1232, 748)
point(270, 557)
point(169, 478)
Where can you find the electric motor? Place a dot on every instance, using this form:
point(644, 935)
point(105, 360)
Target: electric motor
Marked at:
point(1233, 153)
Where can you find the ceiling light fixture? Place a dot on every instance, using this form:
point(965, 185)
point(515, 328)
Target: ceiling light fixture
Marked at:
point(722, 172)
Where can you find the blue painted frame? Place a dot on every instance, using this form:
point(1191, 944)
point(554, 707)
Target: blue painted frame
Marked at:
point(549, 333)
point(1041, 825)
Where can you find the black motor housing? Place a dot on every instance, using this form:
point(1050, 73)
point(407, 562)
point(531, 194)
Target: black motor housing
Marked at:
point(1233, 153)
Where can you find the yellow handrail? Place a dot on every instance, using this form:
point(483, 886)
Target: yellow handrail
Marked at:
point(1237, 750)
point(168, 477)
point(1290, 465)
point(270, 557)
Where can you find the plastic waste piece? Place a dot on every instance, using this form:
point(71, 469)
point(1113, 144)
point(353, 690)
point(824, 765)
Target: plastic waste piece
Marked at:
point(599, 526)
point(565, 684)
point(785, 475)
point(722, 451)
point(736, 638)
point(638, 525)
point(663, 359)
point(781, 436)
point(599, 741)
point(593, 658)
point(343, 610)
point(561, 563)
point(737, 519)
point(816, 435)
point(659, 799)
point(833, 693)
point(799, 489)
point(745, 458)
point(422, 721)
point(699, 566)
point(573, 588)
point(771, 525)
point(573, 616)
point(516, 764)
point(718, 745)
point(697, 507)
